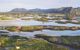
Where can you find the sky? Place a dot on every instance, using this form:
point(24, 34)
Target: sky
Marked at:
point(7, 5)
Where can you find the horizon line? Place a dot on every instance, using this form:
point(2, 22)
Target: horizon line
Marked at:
point(38, 8)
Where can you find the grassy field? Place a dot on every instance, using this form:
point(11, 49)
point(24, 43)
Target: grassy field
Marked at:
point(68, 41)
point(23, 43)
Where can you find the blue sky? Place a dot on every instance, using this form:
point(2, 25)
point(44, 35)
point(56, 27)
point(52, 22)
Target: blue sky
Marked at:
point(6, 5)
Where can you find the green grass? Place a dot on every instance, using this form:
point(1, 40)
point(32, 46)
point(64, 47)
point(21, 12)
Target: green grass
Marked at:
point(28, 44)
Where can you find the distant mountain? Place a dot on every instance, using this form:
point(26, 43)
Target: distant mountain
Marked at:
point(57, 10)
point(19, 10)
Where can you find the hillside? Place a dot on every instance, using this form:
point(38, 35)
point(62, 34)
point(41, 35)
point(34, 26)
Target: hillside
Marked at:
point(37, 10)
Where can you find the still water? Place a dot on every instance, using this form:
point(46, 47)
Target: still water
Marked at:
point(47, 32)
point(33, 22)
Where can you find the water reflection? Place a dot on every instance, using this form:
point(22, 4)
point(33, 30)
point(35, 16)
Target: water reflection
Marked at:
point(47, 32)
point(33, 22)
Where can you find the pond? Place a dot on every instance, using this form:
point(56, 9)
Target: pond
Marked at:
point(47, 32)
point(33, 22)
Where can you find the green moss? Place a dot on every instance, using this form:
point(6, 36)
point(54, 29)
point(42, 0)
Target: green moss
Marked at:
point(12, 28)
point(31, 44)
